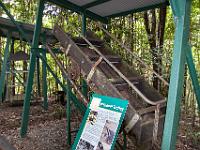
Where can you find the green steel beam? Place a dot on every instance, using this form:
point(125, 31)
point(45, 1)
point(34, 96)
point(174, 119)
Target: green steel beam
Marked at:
point(193, 74)
point(177, 76)
point(125, 140)
point(69, 5)
point(84, 88)
point(14, 22)
point(38, 77)
point(26, 106)
point(137, 10)
point(68, 113)
point(44, 76)
point(84, 28)
point(4, 66)
point(94, 3)
point(176, 7)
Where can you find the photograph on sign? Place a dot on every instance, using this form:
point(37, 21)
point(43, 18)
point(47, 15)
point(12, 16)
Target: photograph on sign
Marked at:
point(107, 135)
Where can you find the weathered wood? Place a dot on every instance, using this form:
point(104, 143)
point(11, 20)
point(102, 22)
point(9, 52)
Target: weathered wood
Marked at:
point(80, 41)
point(149, 109)
point(105, 79)
point(111, 58)
point(139, 93)
point(121, 81)
point(86, 64)
point(99, 79)
point(6, 26)
point(20, 55)
point(121, 85)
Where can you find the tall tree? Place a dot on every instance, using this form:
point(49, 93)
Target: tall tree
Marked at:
point(155, 30)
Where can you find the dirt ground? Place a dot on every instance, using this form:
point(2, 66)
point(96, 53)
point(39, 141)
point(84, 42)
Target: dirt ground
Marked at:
point(47, 129)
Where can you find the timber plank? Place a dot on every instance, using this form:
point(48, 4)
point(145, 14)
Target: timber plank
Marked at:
point(110, 84)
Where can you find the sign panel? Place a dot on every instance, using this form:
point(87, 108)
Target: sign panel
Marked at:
point(101, 123)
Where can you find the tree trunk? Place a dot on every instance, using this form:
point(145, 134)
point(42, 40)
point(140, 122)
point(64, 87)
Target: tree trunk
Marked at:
point(161, 31)
point(12, 67)
point(155, 31)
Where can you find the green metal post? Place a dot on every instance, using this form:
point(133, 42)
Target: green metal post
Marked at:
point(84, 88)
point(38, 77)
point(26, 106)
point(68, 113)
point(193, 74)
point(44, 76)
point(4, 65)
point(125, 141)
point(83, 24)
point(177, 74)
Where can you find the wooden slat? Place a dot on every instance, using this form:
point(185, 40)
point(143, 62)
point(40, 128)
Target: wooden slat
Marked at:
point(99, 79)
point(111, 58)
point(80, 41)
point(131, 79)
point(139, 93)
point(106, 85)
point(149, 109)
point(121, 85)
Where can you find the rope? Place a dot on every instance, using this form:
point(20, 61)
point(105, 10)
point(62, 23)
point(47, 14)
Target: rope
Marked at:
point(92, 71)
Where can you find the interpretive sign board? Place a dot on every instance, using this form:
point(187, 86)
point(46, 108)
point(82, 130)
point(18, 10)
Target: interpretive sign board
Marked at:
point(101, 123)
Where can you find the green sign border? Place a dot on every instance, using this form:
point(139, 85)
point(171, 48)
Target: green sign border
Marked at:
point(110, 101)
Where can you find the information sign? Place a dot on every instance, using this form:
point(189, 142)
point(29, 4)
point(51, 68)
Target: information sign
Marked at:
point(101, 123)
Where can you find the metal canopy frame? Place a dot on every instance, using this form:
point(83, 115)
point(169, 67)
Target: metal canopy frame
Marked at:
point(181, 54)
point(68, 5)
point(84, 9)
point(138, 10)
point(97, 2)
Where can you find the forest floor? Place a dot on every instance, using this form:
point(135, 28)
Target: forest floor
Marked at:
point(47, 129)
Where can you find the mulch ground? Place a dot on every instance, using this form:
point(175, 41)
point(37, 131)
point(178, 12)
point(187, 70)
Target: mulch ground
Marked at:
point(47, 129)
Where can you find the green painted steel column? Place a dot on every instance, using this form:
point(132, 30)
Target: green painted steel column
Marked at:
point(177, 75)
point(84, 88)
point(125, 140)
point(193, 74)
point(84, 25)
point(4, 65)
point(38, 77)
point(68, 113)
point(44, 76)
point(26, 106)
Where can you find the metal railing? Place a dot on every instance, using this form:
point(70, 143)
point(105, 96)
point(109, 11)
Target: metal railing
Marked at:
point(119, 72)
point(134, 55)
